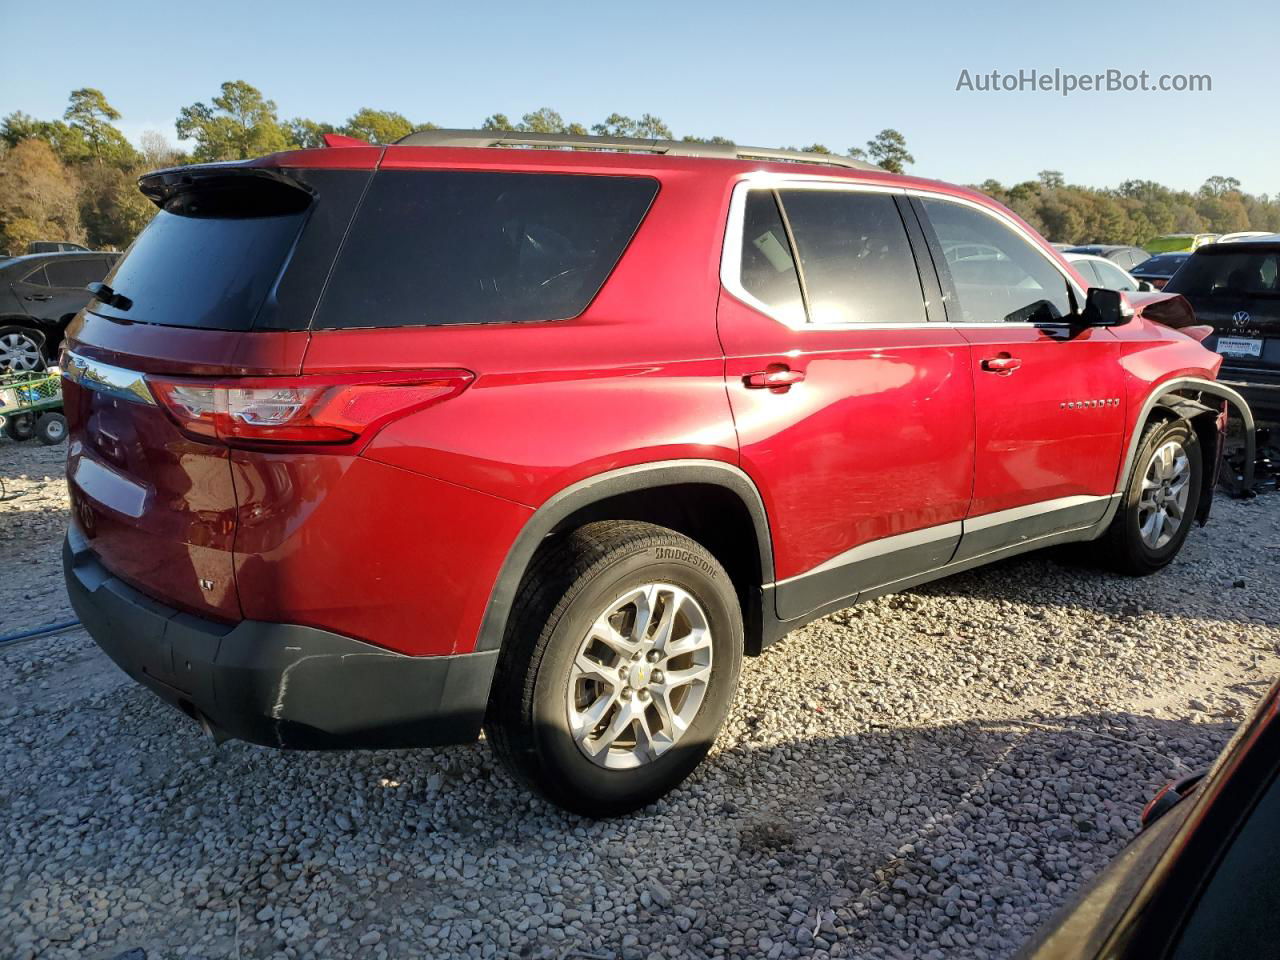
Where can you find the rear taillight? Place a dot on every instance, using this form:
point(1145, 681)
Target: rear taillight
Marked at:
point(333, 410)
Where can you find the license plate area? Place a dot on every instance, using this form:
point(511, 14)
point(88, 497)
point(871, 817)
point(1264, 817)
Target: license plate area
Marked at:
point(1240, 346)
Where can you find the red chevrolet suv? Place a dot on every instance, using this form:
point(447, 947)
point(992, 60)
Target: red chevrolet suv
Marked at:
point(383, 446)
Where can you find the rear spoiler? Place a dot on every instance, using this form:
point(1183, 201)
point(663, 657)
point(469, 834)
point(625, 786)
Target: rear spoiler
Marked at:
point(161, 186)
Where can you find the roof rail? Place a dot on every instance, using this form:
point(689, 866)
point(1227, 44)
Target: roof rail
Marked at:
point(666, 148)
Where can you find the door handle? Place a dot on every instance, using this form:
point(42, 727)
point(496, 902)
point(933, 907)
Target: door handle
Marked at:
point(38, 296)
point(1003, 364)
point(777, 377)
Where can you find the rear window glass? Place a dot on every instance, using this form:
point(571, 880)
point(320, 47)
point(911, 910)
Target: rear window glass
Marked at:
point(211, 256)
point(1241, 274)
point(446, 247)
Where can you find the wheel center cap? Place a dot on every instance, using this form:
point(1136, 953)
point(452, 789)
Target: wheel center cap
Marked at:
point(639, 675)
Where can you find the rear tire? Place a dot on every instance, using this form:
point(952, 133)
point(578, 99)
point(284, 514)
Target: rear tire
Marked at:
point(1160, 501)
point(51, 429)
point(582, 710)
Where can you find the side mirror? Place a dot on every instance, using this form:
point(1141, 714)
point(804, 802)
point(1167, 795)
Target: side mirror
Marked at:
point(1105, 308)
point(1145, 286)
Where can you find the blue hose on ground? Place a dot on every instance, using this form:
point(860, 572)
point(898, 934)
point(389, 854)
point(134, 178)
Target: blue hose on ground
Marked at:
point(47, 630)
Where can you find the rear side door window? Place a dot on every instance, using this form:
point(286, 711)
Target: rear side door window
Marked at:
point(74, 274)
point(37, 278)
point(855, 260)
point(998, 275)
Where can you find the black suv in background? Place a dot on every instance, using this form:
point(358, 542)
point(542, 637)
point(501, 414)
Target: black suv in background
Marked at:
point(39, 294)
point(1235, 288)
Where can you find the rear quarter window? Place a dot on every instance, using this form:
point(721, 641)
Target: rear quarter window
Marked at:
point(430, 248)
point(238, 250)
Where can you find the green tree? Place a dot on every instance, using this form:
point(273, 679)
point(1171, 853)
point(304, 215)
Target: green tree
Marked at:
point(38, 197)
point(92, 116)
point(542, 120)
point(888, 149)
point(19, 126)
point(1217, 186)
point(239, 124)
point(112, 208)
point(1051, 179)
point(308, 134)
point(67, 142)
point(648, 127)
point(377, 126)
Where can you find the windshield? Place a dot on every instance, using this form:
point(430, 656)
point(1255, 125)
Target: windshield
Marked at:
point(1246, 273)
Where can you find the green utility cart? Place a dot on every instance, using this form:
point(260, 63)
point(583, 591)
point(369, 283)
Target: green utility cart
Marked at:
point(31, 406)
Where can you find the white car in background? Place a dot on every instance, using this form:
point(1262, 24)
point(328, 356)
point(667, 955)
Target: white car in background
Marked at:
point(1101, 272)
point(1242, 236)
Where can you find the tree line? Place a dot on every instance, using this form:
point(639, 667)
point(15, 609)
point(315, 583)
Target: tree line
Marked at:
point(75, 178)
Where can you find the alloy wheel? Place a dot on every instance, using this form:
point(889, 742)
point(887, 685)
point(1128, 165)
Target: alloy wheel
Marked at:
point(640, 676)
point(1166, 485)
point(18, 352)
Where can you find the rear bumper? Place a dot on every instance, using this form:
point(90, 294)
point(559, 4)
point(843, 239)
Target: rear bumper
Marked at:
point(276, 684)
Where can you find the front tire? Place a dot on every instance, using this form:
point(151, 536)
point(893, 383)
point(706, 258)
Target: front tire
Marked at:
point(1160, 502)
point(619, 666)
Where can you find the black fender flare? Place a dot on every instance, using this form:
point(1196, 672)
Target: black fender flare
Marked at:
point(575, 497)
point(1166, 395)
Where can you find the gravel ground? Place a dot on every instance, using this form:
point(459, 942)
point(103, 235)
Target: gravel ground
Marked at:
point(926, 776)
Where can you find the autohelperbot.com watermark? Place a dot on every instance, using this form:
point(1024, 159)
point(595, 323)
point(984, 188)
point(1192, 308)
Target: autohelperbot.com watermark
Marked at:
point(1066, 82)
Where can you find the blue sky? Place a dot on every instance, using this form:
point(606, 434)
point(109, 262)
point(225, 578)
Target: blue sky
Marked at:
point(767, 74)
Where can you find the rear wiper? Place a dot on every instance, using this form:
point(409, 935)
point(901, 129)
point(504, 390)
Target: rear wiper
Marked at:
point(108, 296)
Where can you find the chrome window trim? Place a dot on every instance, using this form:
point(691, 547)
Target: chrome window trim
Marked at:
point(108, 379)
point(731, 254)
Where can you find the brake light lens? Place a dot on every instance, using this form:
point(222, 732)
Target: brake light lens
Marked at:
point(335, 410)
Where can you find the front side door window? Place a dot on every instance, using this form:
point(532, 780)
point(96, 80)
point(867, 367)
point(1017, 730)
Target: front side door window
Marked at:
point(998, 276)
